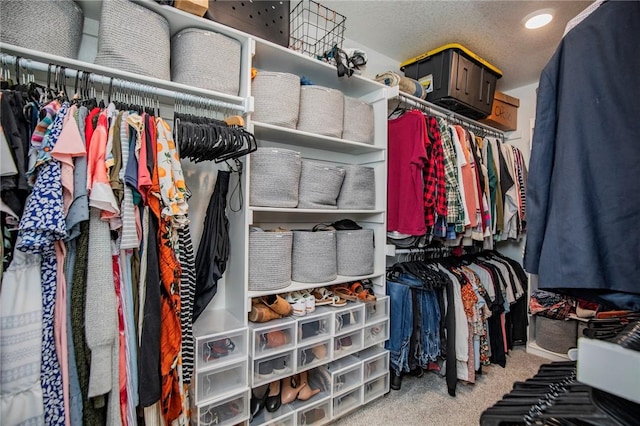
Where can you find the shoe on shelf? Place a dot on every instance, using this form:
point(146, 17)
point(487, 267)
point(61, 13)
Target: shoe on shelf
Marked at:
point(305, 392)
point(262, 313)
point(325, 296)
point(298, 303)
point(310, 301)
point(258, 400)
point(273, 401)
point(346, 343)
point(265, 369)
point(275, 339)
point(279, 364)
point(277, 304)
point(289, 392)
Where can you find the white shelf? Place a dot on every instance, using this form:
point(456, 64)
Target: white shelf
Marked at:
point(609, 367)
point(216, 321)
point(296, 286)
point(167, 85)
point(273, 57)
point(299, 138)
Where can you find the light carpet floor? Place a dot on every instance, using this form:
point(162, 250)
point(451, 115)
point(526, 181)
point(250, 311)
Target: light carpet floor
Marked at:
point(424, 401)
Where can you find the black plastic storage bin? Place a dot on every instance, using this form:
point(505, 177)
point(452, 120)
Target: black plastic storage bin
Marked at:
point(459, 80)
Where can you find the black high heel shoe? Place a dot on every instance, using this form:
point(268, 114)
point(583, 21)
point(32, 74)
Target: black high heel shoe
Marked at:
point(273, 397)
point(258, 403)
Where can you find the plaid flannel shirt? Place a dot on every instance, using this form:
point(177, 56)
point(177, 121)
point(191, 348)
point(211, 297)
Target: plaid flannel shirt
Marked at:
point(455, 212)
point(435, 201)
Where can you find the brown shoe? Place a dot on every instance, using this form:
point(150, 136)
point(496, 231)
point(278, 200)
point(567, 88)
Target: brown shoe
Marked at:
point(278, 304)
point(262, 313)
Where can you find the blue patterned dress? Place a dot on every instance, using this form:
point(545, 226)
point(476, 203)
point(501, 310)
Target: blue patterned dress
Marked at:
point(42, 224)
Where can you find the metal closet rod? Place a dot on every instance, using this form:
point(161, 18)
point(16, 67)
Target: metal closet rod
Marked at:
point(30, 65)
point(446, 114)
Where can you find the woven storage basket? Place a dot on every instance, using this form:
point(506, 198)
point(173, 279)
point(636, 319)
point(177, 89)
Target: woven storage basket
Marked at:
point(275, 177)
point(556, 335)
point(276, 98)
point(133, 38)
point(53, 27)
point(321, 111)
point(358, 123)
point(269, 260)
point(359, 188)
point(319, 185)
point(355, 252)
point(207, 60)
point(313, 257)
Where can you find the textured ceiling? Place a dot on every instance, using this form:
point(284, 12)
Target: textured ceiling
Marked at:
point(491, 29)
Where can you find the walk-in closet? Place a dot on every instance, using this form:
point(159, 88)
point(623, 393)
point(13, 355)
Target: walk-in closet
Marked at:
point(288, 213)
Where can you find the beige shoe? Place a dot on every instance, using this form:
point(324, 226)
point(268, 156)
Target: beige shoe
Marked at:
point(277, 304)
point(262, 313)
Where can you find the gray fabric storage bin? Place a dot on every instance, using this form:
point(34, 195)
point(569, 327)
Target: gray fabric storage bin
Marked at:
point(358, 189)
point(274, 177)
point(556, 335)
point(321, 111)
point(313, 256)
point(52, 26)
point(135, 39)
point(359, 123)
point(269, 260)
point(355, 251)
point(207, 60)
point(276, 98)
point(319, 185)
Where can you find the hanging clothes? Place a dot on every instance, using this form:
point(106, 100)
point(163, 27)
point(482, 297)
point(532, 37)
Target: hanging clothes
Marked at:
point(213, 251)
point(580, 210)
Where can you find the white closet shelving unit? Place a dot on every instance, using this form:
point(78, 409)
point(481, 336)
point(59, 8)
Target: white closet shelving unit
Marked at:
point(223, 384)
point(365, 364)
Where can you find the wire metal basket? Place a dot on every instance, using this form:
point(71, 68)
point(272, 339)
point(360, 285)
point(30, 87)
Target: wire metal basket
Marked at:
point(315, 29)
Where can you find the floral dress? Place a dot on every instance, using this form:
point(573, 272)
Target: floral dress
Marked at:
point(43, 224)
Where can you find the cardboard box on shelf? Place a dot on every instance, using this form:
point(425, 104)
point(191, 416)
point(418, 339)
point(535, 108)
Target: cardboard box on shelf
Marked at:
point(504, 112)
point(195, 7)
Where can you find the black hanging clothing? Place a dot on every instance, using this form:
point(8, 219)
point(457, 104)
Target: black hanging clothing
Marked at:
point(149, 359)
point(213, 250)
point(450, 325)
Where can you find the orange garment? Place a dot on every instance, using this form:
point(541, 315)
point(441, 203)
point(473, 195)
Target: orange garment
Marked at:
point(170, 332)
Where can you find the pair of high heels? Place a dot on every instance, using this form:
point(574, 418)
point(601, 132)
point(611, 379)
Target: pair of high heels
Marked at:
point(297, 387)
point(270, 399)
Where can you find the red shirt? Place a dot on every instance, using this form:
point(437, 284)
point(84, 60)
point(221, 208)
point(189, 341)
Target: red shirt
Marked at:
point(407, 136)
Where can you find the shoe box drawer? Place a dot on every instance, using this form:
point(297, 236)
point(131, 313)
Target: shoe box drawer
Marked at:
point(314, 414)
point(272, 337)
point(312, 355)
point(284, 416)
point(229, 411)
point(349, 318)
point(346, 402)
point(268, 369)
point(376, 388)
point(377, 310)
point(216, 382)
point(221, 348)
point(376, 333)
point(314, 326)
point(347, 344)
point(375, 362)
point(346, 374)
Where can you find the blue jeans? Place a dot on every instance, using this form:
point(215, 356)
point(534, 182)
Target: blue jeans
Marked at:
point(401, 323)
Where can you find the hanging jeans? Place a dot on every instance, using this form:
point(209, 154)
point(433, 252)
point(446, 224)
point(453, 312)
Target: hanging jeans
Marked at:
point(402, 309)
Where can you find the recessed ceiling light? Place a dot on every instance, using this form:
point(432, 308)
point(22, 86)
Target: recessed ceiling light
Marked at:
point(538, 19)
